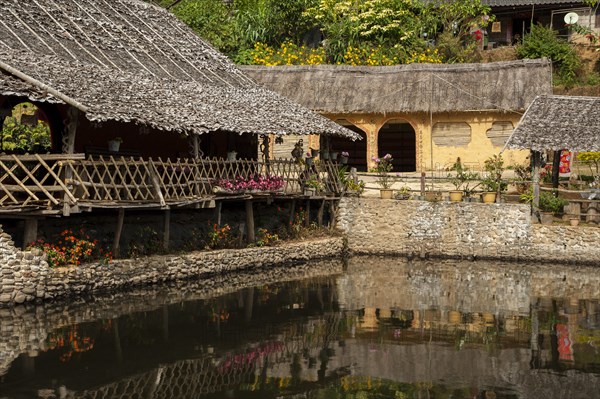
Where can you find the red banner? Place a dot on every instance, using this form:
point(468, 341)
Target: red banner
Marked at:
point(565, 162)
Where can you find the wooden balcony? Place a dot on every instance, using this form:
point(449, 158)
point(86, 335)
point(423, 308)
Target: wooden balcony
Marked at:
point(62, 184)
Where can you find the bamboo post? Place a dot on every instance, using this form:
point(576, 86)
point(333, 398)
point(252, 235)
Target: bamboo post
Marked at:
point(118, 231)
point(422, 184)
point(320, 214)
point(249, 222)
point(218, 208)
point(69, 148)
point(292, 211)
point(332, 215)
point(166, 229)
point(30, 233)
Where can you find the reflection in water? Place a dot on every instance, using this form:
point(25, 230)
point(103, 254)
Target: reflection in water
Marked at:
point(378, 328)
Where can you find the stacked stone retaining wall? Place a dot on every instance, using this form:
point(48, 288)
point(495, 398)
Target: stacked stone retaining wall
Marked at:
point(462, 229)
point(25, 275)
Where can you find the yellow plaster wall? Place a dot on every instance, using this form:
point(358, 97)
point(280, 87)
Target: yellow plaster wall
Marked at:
point(476, 152)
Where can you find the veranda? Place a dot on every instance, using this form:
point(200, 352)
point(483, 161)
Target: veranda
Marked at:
point(34, 187)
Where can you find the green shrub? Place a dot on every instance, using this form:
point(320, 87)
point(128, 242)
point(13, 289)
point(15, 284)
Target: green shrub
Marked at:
point(543, 42)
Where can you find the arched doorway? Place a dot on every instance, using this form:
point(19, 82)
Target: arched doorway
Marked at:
point(357, 150)
point(25, 130)
point(398, 138)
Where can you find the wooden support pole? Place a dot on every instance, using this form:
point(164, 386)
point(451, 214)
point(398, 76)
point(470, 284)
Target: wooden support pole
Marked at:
point(250, 222)
point(218, 208)
point(69, 148)
point(320, 214)
point(292, 212)
point(118, 231)
point(307, 216)
point(422, 184)
point(167, 229)
point(332, 215)
point(30, 233)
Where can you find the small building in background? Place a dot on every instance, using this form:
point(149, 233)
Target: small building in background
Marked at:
point(424, 115)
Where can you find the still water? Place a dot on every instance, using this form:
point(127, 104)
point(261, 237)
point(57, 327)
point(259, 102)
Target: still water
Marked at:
point(364, 328)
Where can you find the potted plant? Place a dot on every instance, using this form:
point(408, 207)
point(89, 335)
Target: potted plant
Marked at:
point(344, 157)
point(114, 144)
point(460, 180)
point(383, 168)
point(333, 155)
point(522, 178)
point(403, 193)
point(550, 205)
point(492, 183)
point(312, 187)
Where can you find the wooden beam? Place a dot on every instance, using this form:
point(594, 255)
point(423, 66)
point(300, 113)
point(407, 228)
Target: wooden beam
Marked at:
point(118, 231)
point(30, 233)
point(166, 229)
point(249, 222)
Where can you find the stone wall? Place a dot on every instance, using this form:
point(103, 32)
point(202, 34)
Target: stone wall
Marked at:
point(25, 276)
point(462, 229)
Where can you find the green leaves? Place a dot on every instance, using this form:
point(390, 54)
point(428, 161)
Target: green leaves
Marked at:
point(543, 42)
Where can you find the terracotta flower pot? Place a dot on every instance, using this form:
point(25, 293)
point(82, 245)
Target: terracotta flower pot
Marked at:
point(456, 196)
point(386, 193)
point(574, 221)
point(546, 217)
point(488, 198)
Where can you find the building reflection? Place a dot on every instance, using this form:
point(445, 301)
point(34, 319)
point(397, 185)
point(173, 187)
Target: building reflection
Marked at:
point(383, 327)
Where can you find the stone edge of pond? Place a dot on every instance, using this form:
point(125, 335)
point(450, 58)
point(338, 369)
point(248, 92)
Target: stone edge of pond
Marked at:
point(26, 277)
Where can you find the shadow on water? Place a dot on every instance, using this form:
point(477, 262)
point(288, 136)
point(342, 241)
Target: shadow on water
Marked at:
point(367, 327)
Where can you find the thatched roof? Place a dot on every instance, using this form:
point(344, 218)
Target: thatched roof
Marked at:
point(559, 122)
point(127, 60)
point(408, 88)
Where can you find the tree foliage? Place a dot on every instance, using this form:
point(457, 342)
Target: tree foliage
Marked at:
point(21, 138)
point(406, 27)
point(543, 42)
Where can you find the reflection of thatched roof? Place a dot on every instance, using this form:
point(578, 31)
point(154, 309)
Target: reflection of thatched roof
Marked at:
point(559, 122)
point(407, 88)
point(131, 61)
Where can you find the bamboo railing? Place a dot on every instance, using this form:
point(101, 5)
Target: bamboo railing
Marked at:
point(55, 180)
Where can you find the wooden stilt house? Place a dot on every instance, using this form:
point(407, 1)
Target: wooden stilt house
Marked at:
point(129, 74)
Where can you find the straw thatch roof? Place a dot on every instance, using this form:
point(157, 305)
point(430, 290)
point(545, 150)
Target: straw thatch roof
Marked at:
point(507, 86)
point(127, 60)
point(557, 123)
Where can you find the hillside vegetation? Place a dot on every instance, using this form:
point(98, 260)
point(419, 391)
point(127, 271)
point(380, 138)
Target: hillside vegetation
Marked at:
point(377, 32)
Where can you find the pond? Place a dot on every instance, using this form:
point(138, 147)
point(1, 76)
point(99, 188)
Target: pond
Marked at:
point(367, 327)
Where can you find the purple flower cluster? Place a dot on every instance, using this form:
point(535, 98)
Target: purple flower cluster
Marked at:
point(252, 183)
point(345, 154)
